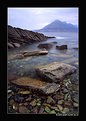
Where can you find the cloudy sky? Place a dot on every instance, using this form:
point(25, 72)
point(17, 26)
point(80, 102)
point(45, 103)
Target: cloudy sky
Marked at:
point(37, 18)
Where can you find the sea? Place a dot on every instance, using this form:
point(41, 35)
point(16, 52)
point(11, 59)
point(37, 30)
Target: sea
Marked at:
point(25, 67)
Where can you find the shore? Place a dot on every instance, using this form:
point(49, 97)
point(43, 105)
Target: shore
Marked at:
point(30, 94)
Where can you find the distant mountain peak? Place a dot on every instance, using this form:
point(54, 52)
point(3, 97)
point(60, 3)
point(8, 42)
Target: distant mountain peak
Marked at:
point(58, 25)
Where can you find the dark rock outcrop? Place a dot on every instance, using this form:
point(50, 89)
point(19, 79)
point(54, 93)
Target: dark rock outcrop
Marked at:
point(62, 47)
point(18, 37)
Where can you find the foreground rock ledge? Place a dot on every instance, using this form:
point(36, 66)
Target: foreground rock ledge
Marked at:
point(55, 72)
point(37, 85)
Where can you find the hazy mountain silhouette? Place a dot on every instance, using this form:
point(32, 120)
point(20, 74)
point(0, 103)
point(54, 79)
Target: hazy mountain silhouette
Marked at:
point(58, 25)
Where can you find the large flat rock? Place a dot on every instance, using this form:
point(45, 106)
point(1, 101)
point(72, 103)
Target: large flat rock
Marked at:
point(55, 72)
point(37, 85)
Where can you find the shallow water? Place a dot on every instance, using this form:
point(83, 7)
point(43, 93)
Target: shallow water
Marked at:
point(26, 66)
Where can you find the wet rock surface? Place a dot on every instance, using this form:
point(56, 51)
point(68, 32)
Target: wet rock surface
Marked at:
point(41, 86)
point(55, 72)
point(27, 101)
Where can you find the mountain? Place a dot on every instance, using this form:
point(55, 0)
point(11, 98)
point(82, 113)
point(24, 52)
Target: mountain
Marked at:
point(59, 26)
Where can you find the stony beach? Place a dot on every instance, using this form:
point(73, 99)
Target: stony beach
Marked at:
point(41, 82)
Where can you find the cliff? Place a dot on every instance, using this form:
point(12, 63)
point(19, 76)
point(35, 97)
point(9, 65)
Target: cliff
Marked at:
point(18, 37)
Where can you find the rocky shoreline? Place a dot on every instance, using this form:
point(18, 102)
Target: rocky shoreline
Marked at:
point(64, 101)
point(18, 37)
point(51, 88)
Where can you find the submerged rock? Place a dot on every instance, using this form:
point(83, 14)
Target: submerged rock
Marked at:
point(55, 72)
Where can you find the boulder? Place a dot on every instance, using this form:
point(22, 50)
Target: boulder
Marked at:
point(55, 72)
point(62, 47)
point(45, 45)
point(36, 85)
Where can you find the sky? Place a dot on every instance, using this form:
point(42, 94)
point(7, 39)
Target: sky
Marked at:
point(36, 18)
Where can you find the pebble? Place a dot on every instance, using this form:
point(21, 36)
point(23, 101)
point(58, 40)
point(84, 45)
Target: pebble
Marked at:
point(23, 109)
point(41, 110)
point(9, 91)
point(65, 90)
point(29, 98)
point(52, 112)
point(60, 102)
point(15, 106)
point(76, 100)
point(65, 110)
point(11, 102)
point(33, 103)
point(47, 109)
point(52, 107)
point(60, 107)
point(59, 97)
point(76, 105)
point(35, 110)
point(67, 103)
point(24, 92)
point(50, 100)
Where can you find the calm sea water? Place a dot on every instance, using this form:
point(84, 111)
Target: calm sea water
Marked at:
point(27, 65)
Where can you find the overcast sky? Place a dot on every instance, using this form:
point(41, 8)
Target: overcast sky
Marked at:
point(37, 18)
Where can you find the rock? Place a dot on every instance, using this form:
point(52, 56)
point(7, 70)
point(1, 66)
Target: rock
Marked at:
point(15, 106)
point(36, 85)
point(29, 98)
point(12, 77)
point(10, 45)
point(33, 103)
point(45, 45)
point(19, 99)
point(60, 102)
point(24, 92)
point(9, 91)
point(18, 56)
point(11, 102)
point(47, 109)
point(23, 109)
point(67, 104)
point(76, 48)
point(48, 105)
point(16, 44)
point(59, 97)
point(52, 107)
point(52, 112)
point(18, 37)
point(60, 107)
point(76, 105)
point(35, 110)
point(35, 53)
point(65, 90)
point(65, 110)
point(55, 72)
point(62, 47)
point(41, 110)
point(50, 100)
point(75, 100)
